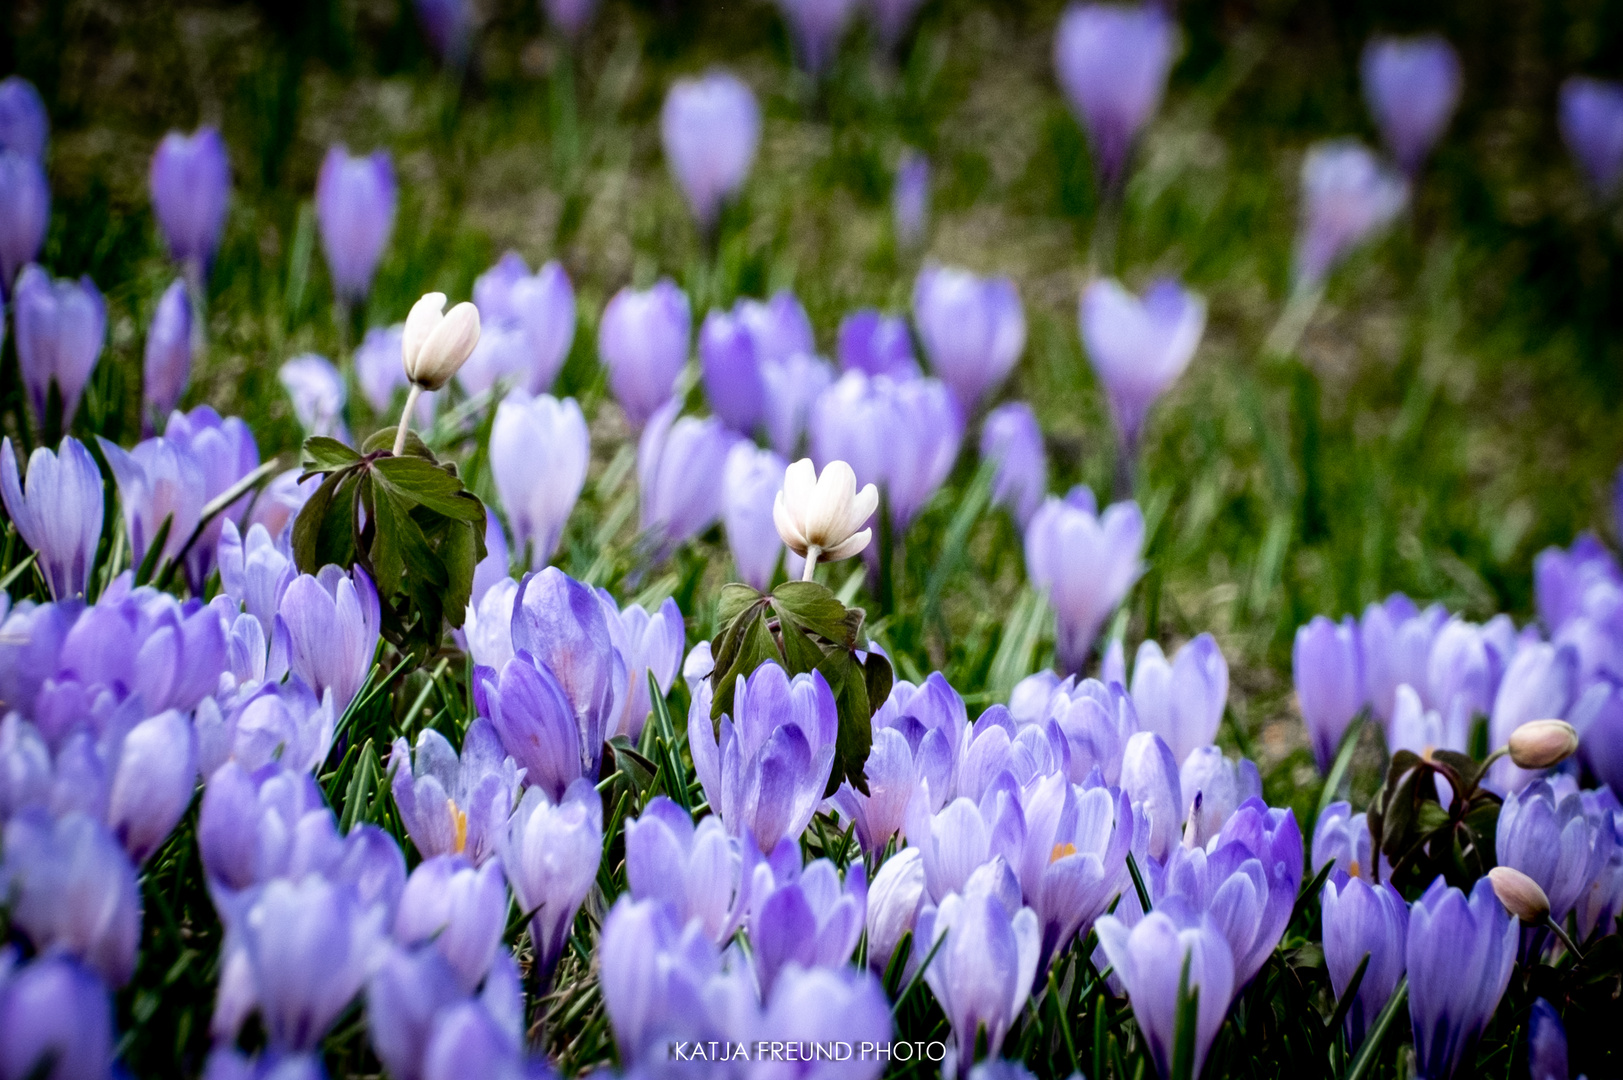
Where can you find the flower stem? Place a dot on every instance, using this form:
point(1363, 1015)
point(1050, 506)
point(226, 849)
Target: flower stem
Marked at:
point(405, 418)
point(811, 562)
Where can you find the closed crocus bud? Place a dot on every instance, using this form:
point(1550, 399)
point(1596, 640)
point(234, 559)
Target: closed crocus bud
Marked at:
point(823, 516)
point(59, 513)
point(1011, 438)
point(1395, 637)
point(1363, 920)
point(1592, 125)
point(710, 127)
point(1412, 86)
point(56, 1021)
point(752, 481)
point(921, 446)
point(1543, 744)
point(649, 643)
point(191, 186)
point(1149, 776)
point(1085, 563)
point(895, 900)
point(25, 212)
point(679, 460)
point(1151, 959)
point(355, 207)
point(167, 362)
point(551, 853)
point(1347, 196)
point(876, 344)
point(153, 782)
point(792, 388)
point(24, 125)
point(1546, 1044)
point(332, 622)
point(61, 326)
point(1139, 346)
point(1520, 894)
point(817, 27)
point(317, 392)
point(377, 366)
point(643, 340)
point(910, 200)
point(1449, 934)
point(1112, 61)
point(1328, 669)
point(436, 342)
point(973, 329)
point(539, 451)
point(1181, 701)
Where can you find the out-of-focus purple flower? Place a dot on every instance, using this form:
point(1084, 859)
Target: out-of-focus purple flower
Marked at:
point(454, 804)
point(59, 511)
point(24, 125)
point(910, 199)
point(448, 25)
point(282, 499)
point(1546, 1044)
point(550, 853)
point(539, 451)
point(159, 480)
point(273, 822)
point(332, 623)
point(61, 326)
point(152, 782)
point(1212, 788)
point(876, 344)
point(1363, 920)
point(792, 387)
point(1347, 196)
point(1412, 86)
point(1459, 955)
point(1181, 701)
point(1342, 837)
point(167, 362)
point(570, 16)
point(643, 340)
point(653, 970)
point(1462, 673)
point(1598, 718)
point(1112, 61)
point(317, 392)
point(702, 873)
point(191, 189)
point(1149, 776)
point(650, 642)
point(25, 212)
point(766, 773)
point(494, 566)
point(679, 461)
point(731, 372)
point(1592, 125)
point(378, 367)
point(282, 722)
point(1084, 562)
point(973, 329)
point(73, 890)
point(461, 908)
point(1139, 346)
point(1151, 959)
point(1395, 639)
point(1011, 437)
point(355, 207)
point(1541, 683)
point(225, 452)
point(817, 27)
point(751, 481)
point(820, 1005)
point(1327, 665)
point(409, 989)
point(1553, 841)
point(1095, 720)
point(895, 899)
point(530, 321)
point(779, 328)
point(710, 127)
point(56, 1020)
point(1568, 581)
point(803, 916)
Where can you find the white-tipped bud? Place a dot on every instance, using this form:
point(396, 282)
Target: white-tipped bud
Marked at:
point(435, 345)
point(1540, 744)
point(826, 513)
point(1520, 894)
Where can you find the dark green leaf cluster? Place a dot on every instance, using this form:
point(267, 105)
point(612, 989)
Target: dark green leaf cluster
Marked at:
point(1420, 835)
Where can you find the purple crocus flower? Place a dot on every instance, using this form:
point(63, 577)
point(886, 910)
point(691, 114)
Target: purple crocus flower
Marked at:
point(24, 125)
point(1459, 955)
point(1181, 701)
point(551, 852)
point(1095, 720)
point(1541, 682)
point(317, 392)
point(378, 369)
point(678, 463)
point(1151, 959)
point(539, 452)
point(56, 1020)
point(973, 329)
point(1213, 788)
point(895, 899)
point(766, 773)
point(191, 187)
point(701, 872)
point(1412, 86)
point(404, 996)
point(1567, 581)
point(891, 772)
point(355, 207)
point(1112, 61)
point(1347, 196)
point(454, 804)
point(282, 722)
point(59, 512)
point(750, 483)
point(1462, 673)
point(876, 344)
point(255, 572)
point(157, 481)
point(792, 388)
point(821, 1005)
point(804, 916)
point(910, 199)
point(643, 340)
point(332, 622)
point(534, 314)
point(167, 362)
point(1552, 840)
point(710, 128)
point(1011, 437)
point(817, 27)
point(152, 782)
point(779, 328)
point(653, 971)
point(1395, 639)
point(1342, 837)
point(1084, 562)
point(731, 371)
point(1363, 920)
point(570, 16)
point(1598, 717)
point(73, 890)
point(25, 213)
point(1546, 1044)
point(461, 908)
point(1327, 665)
point(1150, 778)
point(270, 823)
point(932, 427)
point(650, 643)
point(1139, 346)
point(1073, 857)
point(934, 722)
point(1592, 125)
point(225, 452)
point(61, 326)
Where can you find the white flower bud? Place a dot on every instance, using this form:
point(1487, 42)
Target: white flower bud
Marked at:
point(1520, 894)
point(1539, 744)
point(825, 513)
point(435, 345)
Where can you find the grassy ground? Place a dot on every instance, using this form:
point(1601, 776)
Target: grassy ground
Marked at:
point(1455, 405)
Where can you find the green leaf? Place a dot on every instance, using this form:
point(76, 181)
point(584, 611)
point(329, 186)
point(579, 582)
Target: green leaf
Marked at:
point(460, 552)
point(799, 654)
point(384, 440)
point(879, 677)
point(431, 486)
point(400, 553)
point(735, 600)
point(1370, 1051)
point(755, 646)
point(814, 607)
point(855, 737)
point(324, 455)
point(1188, 1019)
point(313, 536)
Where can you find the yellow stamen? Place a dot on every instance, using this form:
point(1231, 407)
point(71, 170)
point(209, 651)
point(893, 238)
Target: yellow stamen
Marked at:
point(1060, 851)
point(1352, 868)
point(461, 820)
